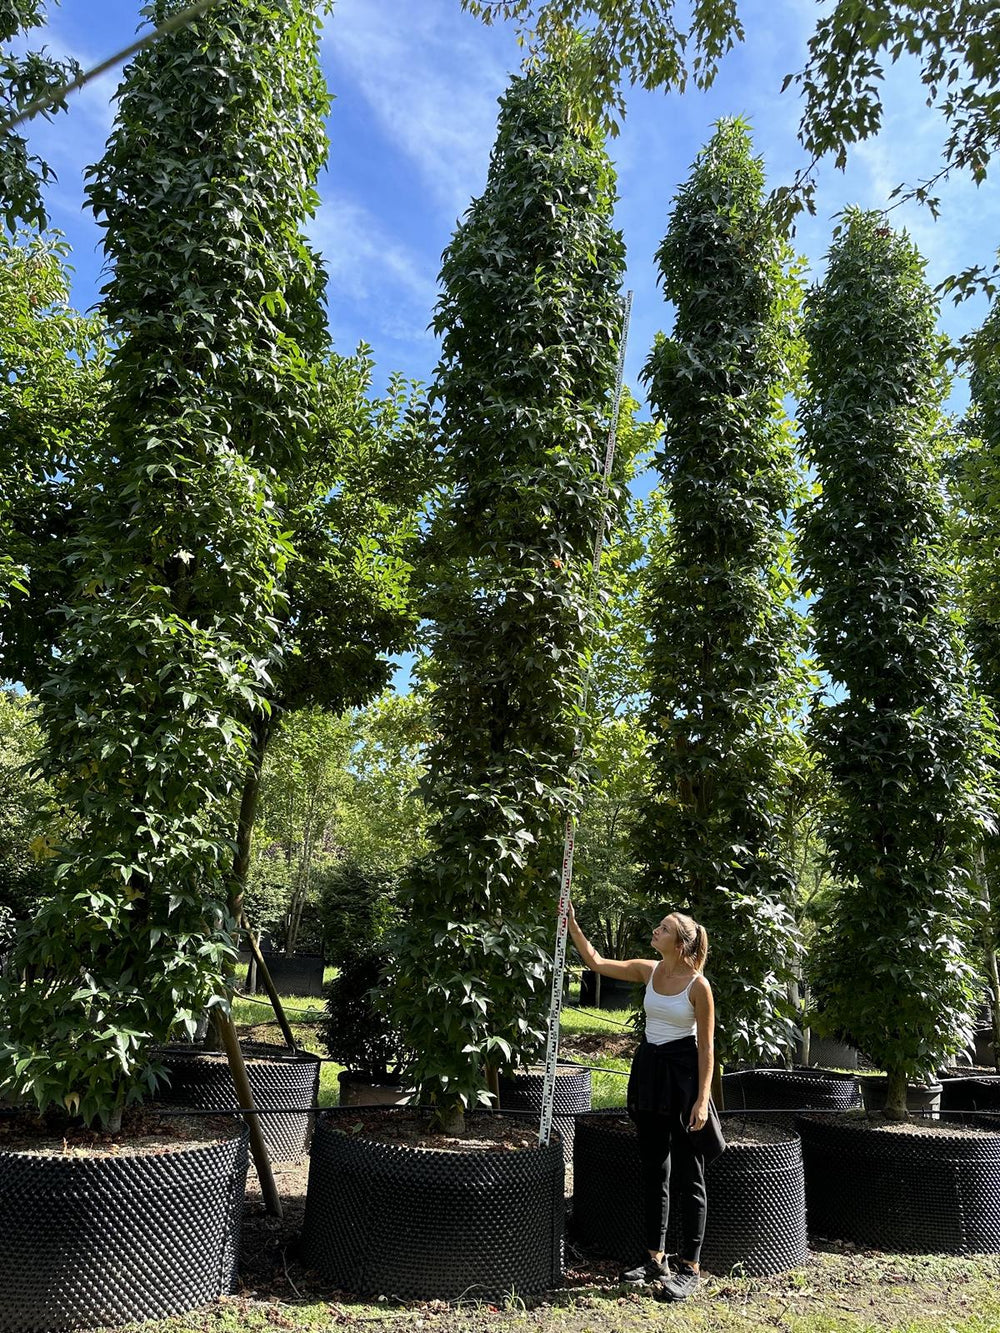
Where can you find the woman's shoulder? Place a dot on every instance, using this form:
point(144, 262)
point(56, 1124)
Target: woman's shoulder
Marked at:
point(700, 985)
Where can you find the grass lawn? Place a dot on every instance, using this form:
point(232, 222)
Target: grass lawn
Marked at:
point(838, 1291)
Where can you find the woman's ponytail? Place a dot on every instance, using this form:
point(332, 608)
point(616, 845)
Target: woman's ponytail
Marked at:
point(694, 940)
point(700, 948)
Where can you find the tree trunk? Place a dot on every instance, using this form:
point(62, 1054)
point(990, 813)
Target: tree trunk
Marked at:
point(493, 1083)
point(990, 949)
point(451, 1119)
point(895, 1096)
point(795, 1004)
point(260, 730)
point(260, 734)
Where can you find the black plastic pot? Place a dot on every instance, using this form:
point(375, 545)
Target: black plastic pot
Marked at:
point(912, 1192)
point(107, 1240)
point(756, 1201)
point(788, 1091)
point(979, 1092)
point(921, 1098)
point(360, 1090)
point(615, 994)
point(293, 974)
point(983, 1046)
point(385, 1219)
point(278, 1078)
point(523, 1092)
point(827, 1051)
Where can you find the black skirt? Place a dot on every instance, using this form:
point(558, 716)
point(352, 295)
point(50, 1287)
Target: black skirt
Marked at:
point(664, 1079)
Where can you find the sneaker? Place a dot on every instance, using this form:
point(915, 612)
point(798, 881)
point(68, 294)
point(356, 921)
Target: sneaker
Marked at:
point(678, 1286)
point(649, 1271)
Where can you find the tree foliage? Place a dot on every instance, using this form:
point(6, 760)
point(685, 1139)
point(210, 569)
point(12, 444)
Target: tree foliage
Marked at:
point(28, 811)
point(214, 308)
point(351, 511)
point(336, 791)
point(658, 44)
point(722, 657)
point(901, 737)
point(530, 319)
point(641, 40)
point(957, 45)
point(25, 76)
point(51, 410)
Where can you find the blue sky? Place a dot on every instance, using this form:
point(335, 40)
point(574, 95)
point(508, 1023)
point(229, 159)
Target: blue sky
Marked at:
point(416, 83)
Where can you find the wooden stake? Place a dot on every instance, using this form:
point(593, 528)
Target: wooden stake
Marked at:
point(269, 986)
point(268, 1189)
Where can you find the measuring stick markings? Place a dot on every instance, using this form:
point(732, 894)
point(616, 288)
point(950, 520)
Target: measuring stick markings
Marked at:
point(562, 920)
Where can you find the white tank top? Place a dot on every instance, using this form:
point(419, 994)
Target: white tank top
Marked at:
point(668, 1017)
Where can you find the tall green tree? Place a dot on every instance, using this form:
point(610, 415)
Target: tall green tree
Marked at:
point(723, 678)
point(974, 475)
point(214, 307)
point(900, 737)
point(530, 319)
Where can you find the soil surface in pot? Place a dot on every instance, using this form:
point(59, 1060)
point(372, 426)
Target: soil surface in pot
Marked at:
point(143, 1134)
point(483, 1133)
point(734, 1129)
point(221, 1058)
point(921, 1125)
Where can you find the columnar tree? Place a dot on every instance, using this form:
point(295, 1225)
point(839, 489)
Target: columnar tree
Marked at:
point(214, 307)
point(722, 648)
point(900, 737)
point(975, 478)
point(530, 318)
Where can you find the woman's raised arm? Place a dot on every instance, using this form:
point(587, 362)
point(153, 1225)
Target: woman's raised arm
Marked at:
point(627, 969)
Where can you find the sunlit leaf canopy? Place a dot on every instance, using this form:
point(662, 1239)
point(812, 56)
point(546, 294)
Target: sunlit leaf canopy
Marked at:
point(660, 44)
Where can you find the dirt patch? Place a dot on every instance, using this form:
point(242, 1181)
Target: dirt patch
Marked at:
point(586, 1045)
point(143, 1134)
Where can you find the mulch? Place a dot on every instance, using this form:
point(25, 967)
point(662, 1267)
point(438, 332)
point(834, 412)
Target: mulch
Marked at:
point(143, 1134)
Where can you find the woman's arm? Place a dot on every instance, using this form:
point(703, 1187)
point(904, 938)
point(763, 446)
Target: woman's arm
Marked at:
point(704, 1017)
point(629, 969)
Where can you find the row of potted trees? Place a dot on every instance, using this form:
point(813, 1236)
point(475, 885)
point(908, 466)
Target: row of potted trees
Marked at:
point(159, 698)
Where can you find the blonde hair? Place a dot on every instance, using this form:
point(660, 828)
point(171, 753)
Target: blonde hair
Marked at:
point(692, 940)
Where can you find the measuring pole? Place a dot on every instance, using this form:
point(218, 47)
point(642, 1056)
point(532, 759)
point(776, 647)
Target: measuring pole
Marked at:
point(562, 920)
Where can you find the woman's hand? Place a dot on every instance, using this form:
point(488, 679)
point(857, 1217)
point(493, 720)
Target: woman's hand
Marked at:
point(699, 1114)
point(570, 914)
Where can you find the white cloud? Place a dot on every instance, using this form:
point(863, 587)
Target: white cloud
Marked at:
point(365, 258)
point(431, 79)
point(377, 283)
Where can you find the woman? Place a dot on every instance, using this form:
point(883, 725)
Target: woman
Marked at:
point(668, 1088)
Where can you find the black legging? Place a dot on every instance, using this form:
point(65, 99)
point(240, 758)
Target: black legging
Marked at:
point(664, 1148)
